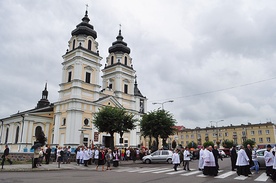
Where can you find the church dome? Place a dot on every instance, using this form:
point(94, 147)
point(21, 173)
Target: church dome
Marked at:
point(119, 45)
point(85, 28)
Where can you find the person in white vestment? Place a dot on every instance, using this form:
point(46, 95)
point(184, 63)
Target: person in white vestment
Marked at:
point(175, 159)
point(86, 156)
point(242, 162)
point(200, 159)
point(186, 158)
point(209, 162)
point(269, 159)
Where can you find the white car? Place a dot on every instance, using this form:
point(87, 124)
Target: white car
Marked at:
point(159, 156)
point(222, 153)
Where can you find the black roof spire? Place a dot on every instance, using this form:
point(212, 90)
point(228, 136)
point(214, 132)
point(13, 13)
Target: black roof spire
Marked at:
point(85, 27)
point(119, 45)
point(43, 102)
point(136, 89)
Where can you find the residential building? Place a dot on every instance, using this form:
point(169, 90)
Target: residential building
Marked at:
point(261, 133)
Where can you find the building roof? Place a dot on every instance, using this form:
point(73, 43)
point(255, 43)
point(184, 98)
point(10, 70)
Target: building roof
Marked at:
point(179, 128)
point(119, 45)
point(85, 28)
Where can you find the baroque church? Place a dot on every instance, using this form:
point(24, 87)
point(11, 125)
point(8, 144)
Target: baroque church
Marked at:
point(68, 122)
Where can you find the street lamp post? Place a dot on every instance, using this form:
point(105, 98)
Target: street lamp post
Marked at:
point(162, 103)
point(216, 127)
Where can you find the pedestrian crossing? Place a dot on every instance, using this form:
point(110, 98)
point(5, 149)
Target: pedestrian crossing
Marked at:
point(223, 174)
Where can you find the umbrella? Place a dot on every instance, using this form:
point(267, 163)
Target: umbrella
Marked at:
point(36, 145)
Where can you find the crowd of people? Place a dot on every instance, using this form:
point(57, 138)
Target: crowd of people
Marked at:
point(245, 160)
point(85, 156)
point(208, 159)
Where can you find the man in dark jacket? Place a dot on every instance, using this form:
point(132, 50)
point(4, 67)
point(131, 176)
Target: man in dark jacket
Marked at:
point(216, 155)
point(248, 151)
point(233, 155)
point(6, 156)
point(48, 154)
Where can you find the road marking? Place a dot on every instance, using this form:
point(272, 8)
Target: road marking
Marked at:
point(176, 172)
point(122, 170)
point(191, 173)
point(152, 170)
point(241, 177)
point(222, 176)
point(262, 178)
point(164, 171)
point(135, 170)
point(202, 175)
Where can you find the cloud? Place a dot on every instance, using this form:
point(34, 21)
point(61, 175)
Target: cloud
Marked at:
point(214, 59)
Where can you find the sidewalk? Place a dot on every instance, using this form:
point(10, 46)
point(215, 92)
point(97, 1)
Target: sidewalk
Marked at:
point(53, 166)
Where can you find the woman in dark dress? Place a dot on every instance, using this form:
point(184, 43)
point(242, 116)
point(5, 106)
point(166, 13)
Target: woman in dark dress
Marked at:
point(101, 158)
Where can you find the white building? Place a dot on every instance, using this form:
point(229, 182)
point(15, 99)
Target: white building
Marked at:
point(69, 120)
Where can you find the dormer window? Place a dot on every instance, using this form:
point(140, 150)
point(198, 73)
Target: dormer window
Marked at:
point(89, 44)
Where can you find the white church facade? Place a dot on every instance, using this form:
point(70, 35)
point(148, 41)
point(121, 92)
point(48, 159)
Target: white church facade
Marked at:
point(68, 122)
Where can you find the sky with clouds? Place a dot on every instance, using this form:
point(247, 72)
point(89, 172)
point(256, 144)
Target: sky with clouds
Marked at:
point(215, 59)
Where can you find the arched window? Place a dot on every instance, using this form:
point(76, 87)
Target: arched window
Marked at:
point(125, 60)
point(89, 44)
point(74, 42)
point(7, 135)
point(69, 76)
point(16, 135)
point(64, 122)
point(38, 131)
point(112, 60)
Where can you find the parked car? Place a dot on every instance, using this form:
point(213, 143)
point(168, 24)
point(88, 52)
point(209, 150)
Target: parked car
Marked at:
point(260, 157)
point(222, 153)
point(226, 152)
point(159, 156)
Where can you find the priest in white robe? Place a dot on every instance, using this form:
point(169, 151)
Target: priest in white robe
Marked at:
point(209, 162)
point(242, 162)
point(201, 161)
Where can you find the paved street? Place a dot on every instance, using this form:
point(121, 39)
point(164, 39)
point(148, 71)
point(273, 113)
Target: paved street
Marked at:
point(125, 173)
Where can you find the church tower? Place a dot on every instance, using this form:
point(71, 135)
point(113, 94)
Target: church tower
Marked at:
point(118, 73)
point(119, 77)
point(79, 86)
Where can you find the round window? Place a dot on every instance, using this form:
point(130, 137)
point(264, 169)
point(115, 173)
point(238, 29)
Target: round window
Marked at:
point(86, 122)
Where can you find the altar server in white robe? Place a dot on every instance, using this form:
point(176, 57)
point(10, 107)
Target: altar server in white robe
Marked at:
point(201, 161)
point(242, 162)
point(269, 159)
point(209, 162)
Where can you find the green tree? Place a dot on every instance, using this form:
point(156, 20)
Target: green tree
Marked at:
point(114, 120)
point(158, 123)
point(227, 143)
point(192, 145)
point(208, 143)
point(248, 141)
